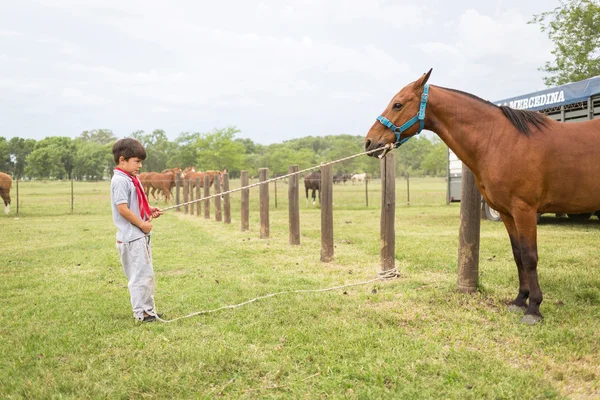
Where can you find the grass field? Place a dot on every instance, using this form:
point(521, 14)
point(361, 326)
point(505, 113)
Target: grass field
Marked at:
point(66, 329)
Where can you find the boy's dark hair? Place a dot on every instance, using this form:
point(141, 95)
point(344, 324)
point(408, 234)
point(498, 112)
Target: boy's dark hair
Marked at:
point(128, 148)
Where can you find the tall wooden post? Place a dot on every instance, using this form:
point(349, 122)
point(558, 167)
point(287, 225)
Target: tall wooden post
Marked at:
point(72, 196)
point(326, 213)
point(264, 203)
point(177, 186)
point(245, 206)
point(198, 196)
point(294, 206)
point(388, 210)
point(186, 195)
point(218, 216)
point(468, 246)
point(206, 194)
point(226, 200)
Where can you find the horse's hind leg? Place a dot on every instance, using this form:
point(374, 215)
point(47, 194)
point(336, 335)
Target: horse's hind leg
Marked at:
point(6, 197)
point(520, 302)
point(525, 222)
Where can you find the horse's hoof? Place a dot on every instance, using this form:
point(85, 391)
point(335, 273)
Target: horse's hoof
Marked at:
point(531, 319)
point(516, 309)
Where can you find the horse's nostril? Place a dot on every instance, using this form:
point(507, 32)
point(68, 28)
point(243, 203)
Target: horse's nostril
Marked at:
point(367, 144)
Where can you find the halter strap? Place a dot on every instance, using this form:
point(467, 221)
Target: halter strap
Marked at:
point(420, 117)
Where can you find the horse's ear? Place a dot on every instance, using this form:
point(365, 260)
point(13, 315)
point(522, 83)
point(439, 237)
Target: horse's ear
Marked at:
point(423, 79)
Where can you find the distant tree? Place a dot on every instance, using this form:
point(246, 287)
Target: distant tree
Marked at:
point(157, 147)
point(435, 161)
point(185, 152)
point(100, 136)
point(19, 149)
point(574, 27)
point(91, 160)
point(52, 157)
point(5, 160)
point(219, 150)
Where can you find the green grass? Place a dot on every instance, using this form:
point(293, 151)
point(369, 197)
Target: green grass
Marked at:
point(66, 329)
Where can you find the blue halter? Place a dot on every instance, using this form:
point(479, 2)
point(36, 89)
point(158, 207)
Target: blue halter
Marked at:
point(419, 117)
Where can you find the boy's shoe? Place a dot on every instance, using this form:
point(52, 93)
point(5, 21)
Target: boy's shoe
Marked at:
point(151, 318)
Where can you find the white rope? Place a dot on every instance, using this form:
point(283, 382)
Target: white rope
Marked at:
point(383, 275)
point(385, 149)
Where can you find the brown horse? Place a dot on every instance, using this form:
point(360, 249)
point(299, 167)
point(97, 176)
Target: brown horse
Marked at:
point(146, 181)
point(5, 184)
point(164, 182)
point(524, 163)
point(312, 182)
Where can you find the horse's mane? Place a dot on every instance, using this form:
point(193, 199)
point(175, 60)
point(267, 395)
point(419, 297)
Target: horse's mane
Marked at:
point(521, 119)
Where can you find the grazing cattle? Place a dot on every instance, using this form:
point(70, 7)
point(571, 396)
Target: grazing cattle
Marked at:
point(312, 181)
point(5, 184)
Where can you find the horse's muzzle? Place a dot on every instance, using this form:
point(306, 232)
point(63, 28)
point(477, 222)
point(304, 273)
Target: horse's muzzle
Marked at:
point(370, 145)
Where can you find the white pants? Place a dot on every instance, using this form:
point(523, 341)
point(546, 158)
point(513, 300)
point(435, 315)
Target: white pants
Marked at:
point(136, 258)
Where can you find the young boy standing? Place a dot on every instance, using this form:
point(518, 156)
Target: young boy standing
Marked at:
point(132, 216)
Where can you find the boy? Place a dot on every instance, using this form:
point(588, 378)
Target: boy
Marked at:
point(132, 215)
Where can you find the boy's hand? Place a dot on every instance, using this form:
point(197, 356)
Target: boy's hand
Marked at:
point(146, 226)
point(156, 212)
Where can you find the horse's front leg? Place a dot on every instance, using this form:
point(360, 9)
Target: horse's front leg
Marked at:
point(520, 302)
point(526, 224)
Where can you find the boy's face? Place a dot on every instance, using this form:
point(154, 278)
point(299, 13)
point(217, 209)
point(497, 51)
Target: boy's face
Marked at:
point(132, 165)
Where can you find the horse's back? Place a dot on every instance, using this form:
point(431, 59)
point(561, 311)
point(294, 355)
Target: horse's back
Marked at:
point(5, 181)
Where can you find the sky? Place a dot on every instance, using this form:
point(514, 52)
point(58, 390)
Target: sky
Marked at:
point(275, 69)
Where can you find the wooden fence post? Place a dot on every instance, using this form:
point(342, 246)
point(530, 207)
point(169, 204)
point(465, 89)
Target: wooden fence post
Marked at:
point(388, 210)
point(186, 195)
point(218, 216)
point(206, 194)
point(294, 206)
point(468, 246)
point(226, 199)
point(326, 213)
point(198, 196)
point(177, 186)
point(263, 173)
point(245, 212)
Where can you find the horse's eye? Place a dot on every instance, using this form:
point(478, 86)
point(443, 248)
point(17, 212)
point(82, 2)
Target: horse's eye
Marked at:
point(397, 106)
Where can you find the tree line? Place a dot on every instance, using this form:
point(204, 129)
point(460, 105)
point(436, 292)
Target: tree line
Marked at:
point(89, 156)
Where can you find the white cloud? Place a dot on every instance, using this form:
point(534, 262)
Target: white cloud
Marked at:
point(198, 65)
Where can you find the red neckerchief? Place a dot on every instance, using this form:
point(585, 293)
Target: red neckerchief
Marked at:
point(141, 195)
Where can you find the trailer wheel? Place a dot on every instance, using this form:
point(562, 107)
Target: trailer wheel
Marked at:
point(492, 214)
point(580, 217)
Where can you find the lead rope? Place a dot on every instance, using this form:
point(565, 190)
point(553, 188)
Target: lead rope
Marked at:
point(383, 275)
point(387, 275)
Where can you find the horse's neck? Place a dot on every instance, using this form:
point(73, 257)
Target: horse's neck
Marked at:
point(463, 123)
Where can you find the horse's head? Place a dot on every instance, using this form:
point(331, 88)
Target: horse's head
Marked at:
point(402, 118)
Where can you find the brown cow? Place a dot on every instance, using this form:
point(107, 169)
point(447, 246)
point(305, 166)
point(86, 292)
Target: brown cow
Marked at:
point(5, 184)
